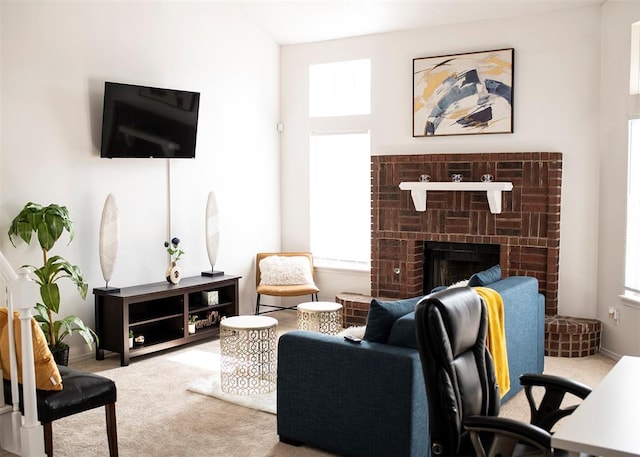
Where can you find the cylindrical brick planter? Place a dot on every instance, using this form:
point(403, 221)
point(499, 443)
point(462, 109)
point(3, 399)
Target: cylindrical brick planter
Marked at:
point(566, 336)
point(356, 307)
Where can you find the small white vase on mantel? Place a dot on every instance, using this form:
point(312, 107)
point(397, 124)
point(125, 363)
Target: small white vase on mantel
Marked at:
point(174, 273)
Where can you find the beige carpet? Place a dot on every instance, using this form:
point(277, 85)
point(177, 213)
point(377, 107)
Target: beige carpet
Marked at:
point(211, 386)
point(159, 417)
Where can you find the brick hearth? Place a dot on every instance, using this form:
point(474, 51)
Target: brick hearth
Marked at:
point(571, 336)
point(527, 230)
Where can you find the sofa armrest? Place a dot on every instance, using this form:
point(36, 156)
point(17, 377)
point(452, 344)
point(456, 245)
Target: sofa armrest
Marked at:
point(524, 327)
point(351, 399)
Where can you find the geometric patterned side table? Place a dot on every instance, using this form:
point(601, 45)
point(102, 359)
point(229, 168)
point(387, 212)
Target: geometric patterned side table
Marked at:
point(248, 354)
point(320, 316)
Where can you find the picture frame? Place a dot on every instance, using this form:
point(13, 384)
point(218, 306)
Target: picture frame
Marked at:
point(463, 94)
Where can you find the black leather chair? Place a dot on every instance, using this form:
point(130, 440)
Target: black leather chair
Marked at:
point(461, 386)
point(81, 392)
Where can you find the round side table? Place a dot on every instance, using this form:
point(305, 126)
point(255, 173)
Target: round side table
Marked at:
point(320, 316)
point(248, 349)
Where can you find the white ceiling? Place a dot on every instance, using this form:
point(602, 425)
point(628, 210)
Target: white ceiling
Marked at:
point(304, 21)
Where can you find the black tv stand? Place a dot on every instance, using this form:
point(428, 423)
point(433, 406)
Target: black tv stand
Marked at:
point(160, 312)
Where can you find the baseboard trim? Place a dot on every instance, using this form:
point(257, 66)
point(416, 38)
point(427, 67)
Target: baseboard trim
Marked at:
point(610, 354)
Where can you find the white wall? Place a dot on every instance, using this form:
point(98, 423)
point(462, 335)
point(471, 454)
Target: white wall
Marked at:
point(1, 73)
point(55, 59)
point(556, 108)
point(617, 106)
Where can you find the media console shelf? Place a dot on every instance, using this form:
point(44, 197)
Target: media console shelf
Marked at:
point(160, 313)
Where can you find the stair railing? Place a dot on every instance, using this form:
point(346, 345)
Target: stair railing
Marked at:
point(22, 435)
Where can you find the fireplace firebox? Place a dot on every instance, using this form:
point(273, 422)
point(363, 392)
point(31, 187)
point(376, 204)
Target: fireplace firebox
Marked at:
point(447, 263)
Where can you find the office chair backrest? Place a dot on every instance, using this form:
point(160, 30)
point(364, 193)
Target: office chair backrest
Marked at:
point(451, 328)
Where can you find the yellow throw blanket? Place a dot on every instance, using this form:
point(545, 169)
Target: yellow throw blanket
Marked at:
point(496, 339)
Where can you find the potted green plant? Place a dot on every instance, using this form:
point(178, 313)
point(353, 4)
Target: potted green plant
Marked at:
point(48, 223)
point(193, 318)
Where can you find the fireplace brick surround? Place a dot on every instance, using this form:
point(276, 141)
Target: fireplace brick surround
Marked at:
point(527, 230)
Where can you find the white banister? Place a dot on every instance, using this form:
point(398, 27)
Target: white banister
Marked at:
point(11, 420)
point(23, 436)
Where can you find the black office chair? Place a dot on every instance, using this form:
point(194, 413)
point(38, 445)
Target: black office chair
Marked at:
point(462, 392)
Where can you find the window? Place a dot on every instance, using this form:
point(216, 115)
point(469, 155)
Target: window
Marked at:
point(340, 197)
point(340, 163)
point(632, 258)
point(340, 88)
point(634, 74)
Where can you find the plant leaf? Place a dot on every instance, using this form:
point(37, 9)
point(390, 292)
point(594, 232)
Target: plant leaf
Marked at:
point(72, 324)
point(54, 225)
point(24, 223)
point(42, 317)
point(50, 294)
point(57, 336)
point(45, 237)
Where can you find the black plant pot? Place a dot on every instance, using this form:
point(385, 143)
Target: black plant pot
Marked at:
point(61, 354)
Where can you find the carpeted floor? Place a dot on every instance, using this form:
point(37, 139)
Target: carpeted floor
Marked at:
point(159, 417)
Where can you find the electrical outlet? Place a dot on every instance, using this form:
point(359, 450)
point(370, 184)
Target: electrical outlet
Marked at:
point(614, 315)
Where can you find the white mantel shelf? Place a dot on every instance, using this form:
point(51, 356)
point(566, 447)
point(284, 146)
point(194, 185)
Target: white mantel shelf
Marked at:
point(493, 189)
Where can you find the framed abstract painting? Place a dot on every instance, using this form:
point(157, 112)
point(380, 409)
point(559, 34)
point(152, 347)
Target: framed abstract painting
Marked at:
point(463, 94)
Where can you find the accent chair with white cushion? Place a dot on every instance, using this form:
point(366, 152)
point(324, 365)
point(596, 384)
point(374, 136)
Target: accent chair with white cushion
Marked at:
point(284, 274)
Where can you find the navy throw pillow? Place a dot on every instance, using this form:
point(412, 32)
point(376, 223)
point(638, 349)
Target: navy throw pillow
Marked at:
point(485, 277)
point(403, 332)
point(382, 315)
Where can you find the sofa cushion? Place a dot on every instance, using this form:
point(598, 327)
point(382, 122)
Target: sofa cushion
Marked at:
point(482, 278)
point(403, 331)
point(382, 315)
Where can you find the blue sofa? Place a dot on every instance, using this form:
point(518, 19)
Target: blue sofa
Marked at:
point(369, 399)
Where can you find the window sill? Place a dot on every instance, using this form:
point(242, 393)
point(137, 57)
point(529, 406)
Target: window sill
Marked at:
point(631, 300)
point(340, 265)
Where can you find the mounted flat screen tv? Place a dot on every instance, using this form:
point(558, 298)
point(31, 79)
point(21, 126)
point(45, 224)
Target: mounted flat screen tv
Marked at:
point(142, 122)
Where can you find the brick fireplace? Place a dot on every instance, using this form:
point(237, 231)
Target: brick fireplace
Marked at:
point(527, 230)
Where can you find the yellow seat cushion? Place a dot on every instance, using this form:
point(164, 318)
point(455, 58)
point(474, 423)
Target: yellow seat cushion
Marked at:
point(47, 373)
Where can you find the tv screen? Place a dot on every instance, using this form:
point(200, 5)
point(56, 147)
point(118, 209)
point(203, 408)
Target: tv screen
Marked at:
point(140, 121)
